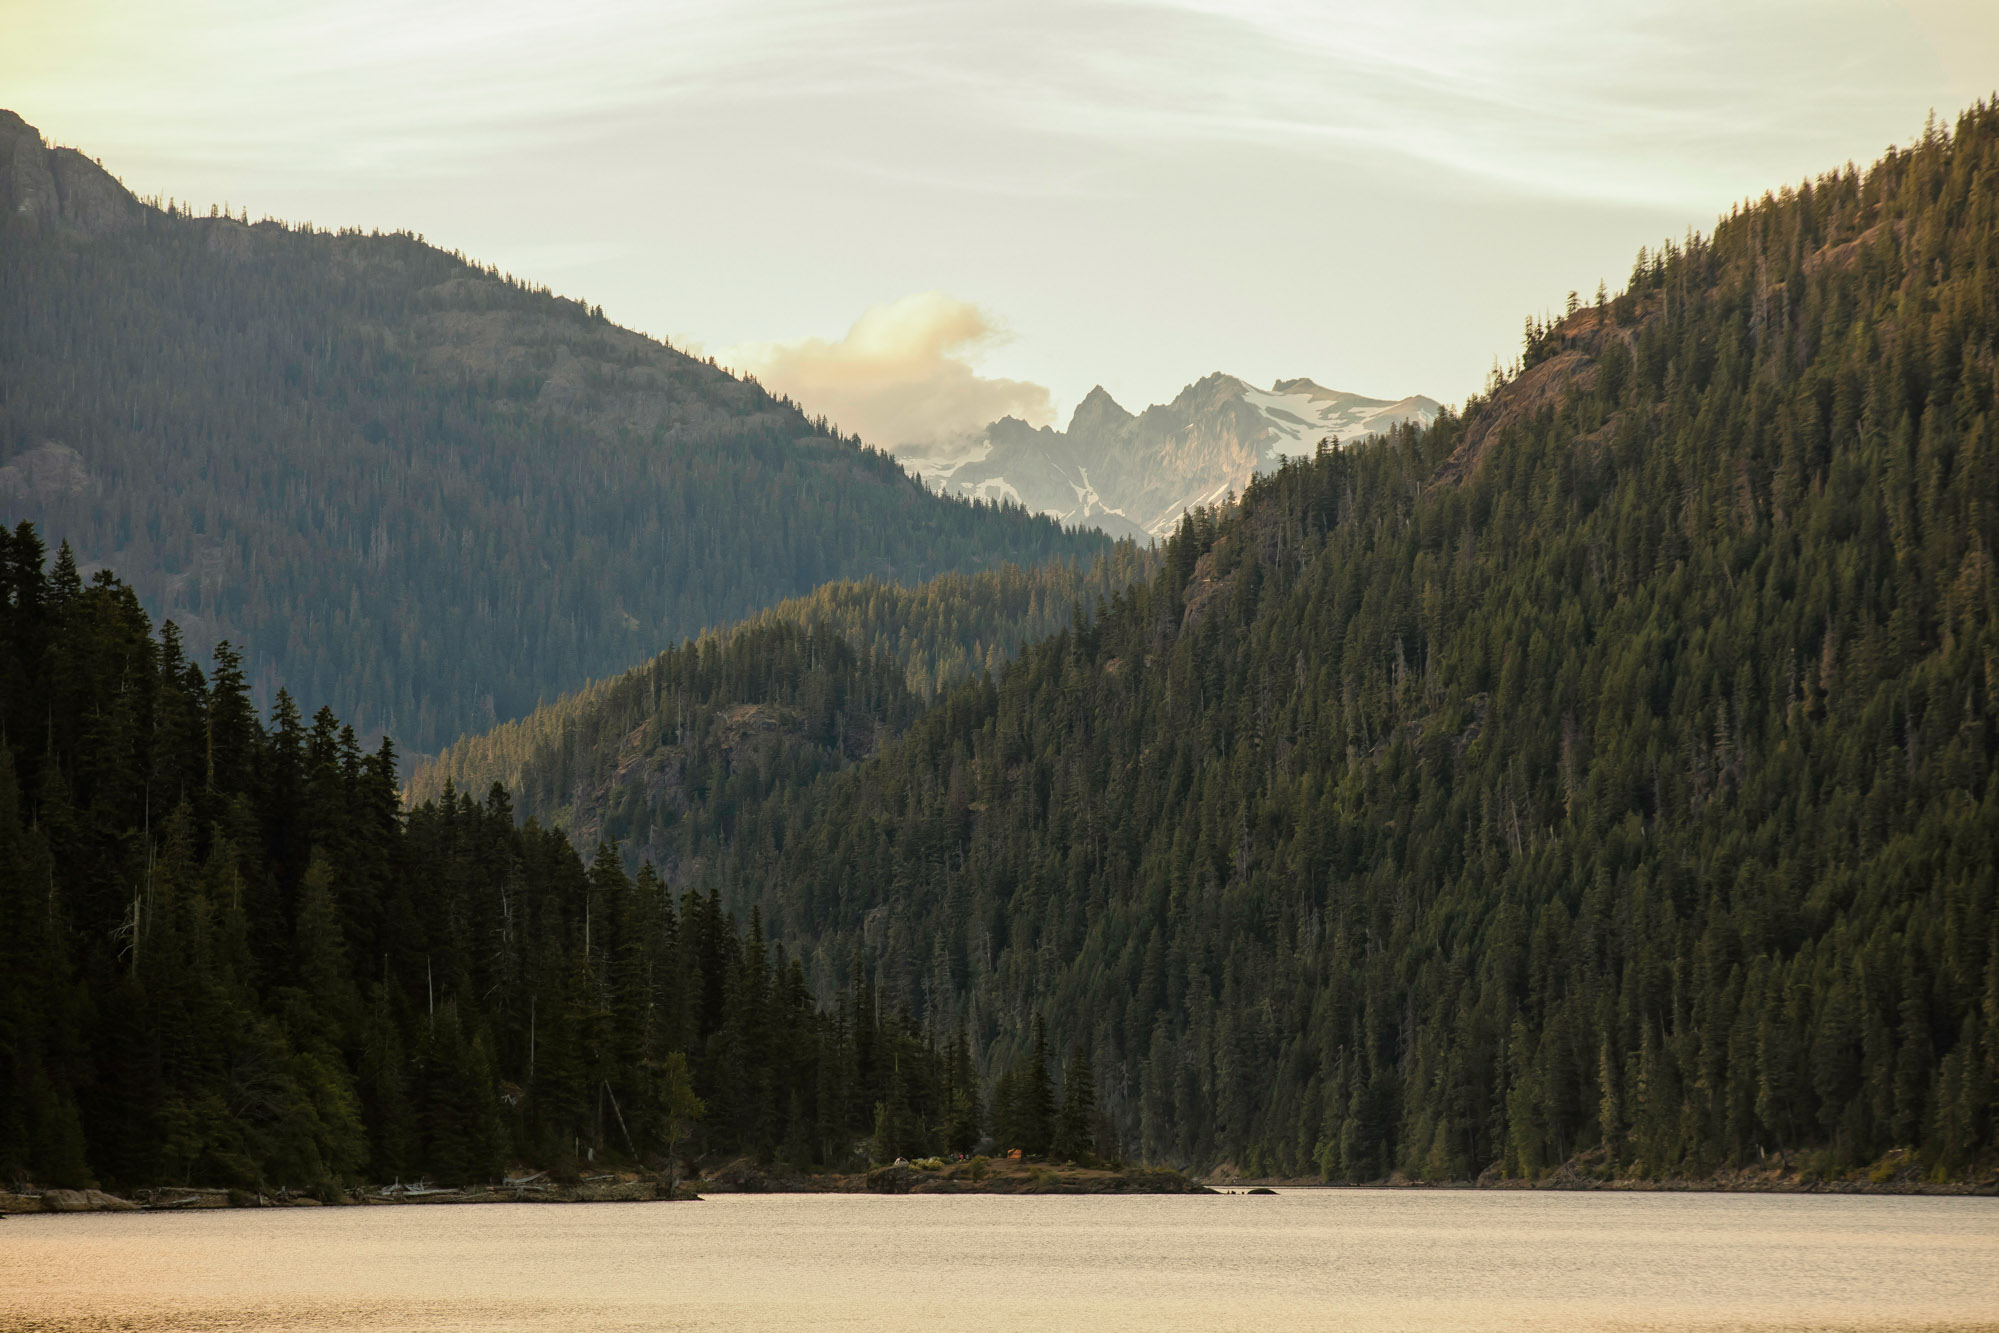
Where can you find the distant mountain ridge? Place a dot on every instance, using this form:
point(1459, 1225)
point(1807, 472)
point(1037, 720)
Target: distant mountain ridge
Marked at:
point(402, 483)
point(1133, 476)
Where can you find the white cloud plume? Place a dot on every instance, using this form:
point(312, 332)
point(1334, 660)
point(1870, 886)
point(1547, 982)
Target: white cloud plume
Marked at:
point(902, 378)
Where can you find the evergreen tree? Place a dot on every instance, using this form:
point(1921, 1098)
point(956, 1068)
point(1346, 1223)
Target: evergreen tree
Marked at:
point(1603, 776)
point(232, 958)
point(1075, 1133)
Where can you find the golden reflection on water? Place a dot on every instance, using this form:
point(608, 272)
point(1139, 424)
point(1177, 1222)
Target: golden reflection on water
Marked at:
point(1305, 1259)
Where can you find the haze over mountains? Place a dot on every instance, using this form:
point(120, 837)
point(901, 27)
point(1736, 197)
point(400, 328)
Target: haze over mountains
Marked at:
point(1598, 783)
point(1136, 475)
point(402, 484)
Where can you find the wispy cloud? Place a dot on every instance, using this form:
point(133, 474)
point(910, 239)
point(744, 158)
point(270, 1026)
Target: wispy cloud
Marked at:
point(1562, 95)
point(903, 376)
point(1155, 187)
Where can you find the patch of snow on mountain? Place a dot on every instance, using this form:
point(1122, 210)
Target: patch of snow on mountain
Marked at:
point(1135, 475)
point(937, 468)
point(1301, 414)
point(1090, 501)
point(991, 490)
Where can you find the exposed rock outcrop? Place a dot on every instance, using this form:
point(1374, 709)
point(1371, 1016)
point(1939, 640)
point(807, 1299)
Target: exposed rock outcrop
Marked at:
point(890, 1179)
point(75, 1201)
point(44, 187)
point(1578, 344)
point(27, 186)
point(44, 474)
point(92, 200)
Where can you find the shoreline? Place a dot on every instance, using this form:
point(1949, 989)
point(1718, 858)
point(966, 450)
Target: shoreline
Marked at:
point(1898, 1172)
point(1979, 1189)
point(196, 1199)
point(744, 1176)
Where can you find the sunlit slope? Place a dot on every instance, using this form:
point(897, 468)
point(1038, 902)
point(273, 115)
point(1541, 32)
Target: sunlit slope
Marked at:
point(1604, 775)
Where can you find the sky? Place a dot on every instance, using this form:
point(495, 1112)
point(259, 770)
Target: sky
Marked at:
point(916, 217)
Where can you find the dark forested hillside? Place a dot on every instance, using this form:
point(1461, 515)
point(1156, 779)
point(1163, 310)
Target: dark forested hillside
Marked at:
point(227, 958)
point(1600, 781)
point(402, 483)
point(1604, 776)
point(661, 758)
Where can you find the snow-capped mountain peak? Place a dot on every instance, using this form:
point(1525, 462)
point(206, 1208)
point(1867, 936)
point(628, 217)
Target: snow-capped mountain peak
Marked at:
point(1135, 475)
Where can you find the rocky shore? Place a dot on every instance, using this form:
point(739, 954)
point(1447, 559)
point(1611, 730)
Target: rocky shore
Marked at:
point(601, 1189)
point(742, 1176)
point(933, 1176)
point(1898, 1172)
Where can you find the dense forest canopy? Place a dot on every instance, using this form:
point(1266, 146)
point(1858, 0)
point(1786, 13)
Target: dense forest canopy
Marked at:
point(1602, 780)
point(403, 483)
point(1604, 776)
point(660, 758)
point(228, 957)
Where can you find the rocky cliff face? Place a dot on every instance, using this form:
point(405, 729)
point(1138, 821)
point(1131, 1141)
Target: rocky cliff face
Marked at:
point(1135, 475)
point(43, 187)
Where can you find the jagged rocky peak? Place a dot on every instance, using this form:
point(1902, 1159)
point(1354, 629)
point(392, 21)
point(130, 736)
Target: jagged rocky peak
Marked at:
point(1098, 411)
point(1220, 382)
point(47, 187)
point(1135, 475)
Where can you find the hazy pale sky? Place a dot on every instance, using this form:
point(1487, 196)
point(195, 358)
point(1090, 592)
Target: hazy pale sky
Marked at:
point(929, 197)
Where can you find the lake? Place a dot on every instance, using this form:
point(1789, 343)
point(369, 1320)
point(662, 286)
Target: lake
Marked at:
point(1302, 1259)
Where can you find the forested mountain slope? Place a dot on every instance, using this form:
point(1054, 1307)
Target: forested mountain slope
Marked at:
point(1605, 775)
point(402, 483)
point(227, 957)
point(661, 757)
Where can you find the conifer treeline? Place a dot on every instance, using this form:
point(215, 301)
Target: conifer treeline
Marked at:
point(1605, 774)
point(228, 958)
point(660, 758)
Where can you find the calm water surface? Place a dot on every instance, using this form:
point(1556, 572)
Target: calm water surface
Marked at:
point(1305, 1259)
